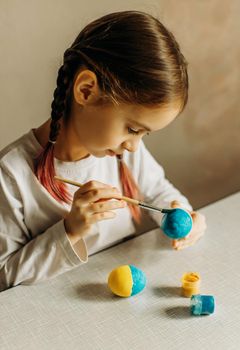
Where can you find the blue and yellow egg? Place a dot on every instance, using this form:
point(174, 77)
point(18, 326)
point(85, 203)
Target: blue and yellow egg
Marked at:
point(126, 280)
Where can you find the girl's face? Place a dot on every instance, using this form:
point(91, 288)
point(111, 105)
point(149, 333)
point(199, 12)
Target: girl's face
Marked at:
point(104, 129)
point(110, 130)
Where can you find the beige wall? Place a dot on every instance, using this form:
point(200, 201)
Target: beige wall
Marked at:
point(201, 149)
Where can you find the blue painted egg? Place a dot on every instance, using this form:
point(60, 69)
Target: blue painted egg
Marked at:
point(126, 280)
point(177, 223)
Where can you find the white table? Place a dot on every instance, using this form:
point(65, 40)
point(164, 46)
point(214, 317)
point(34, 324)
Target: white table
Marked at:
point(77, 311)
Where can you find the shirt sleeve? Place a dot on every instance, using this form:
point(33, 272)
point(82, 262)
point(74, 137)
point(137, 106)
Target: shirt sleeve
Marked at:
point(26, 260)
point(156, 188)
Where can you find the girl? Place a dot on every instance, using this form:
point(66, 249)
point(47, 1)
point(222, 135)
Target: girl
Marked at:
point(123, 77)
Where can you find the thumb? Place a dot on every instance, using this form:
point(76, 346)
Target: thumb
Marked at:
point(194, 215)
point(175, 204)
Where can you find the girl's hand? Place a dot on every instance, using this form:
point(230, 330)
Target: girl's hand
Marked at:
point(197, 231)
point(91, 203)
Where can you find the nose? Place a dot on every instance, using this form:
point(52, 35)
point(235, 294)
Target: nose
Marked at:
point(131, 146)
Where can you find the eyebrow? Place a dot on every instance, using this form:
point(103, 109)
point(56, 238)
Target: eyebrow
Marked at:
point(140, 124)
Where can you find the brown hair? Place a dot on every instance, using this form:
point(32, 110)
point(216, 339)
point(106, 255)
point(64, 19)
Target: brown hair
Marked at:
point(136, 61)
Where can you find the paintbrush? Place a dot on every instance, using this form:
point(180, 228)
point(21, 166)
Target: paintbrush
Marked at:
point(127, 199)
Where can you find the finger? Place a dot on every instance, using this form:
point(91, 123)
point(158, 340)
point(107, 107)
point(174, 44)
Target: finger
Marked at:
point(183, 246)
point(194, 215)
point(100, 193)
point(102, 206)
point(106, 215)
point(188, 242)
point(177, 242)
point(199, 221)
point(189, 238)
point(174, 243)
point(186, 245)
point(175, 204)
point(91, 185)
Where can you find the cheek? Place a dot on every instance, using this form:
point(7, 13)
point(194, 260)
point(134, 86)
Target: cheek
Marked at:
point(102, 138)
point(106, 135)
point(108, 140)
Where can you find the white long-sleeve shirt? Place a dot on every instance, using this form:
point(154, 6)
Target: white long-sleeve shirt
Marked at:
point(33, 243)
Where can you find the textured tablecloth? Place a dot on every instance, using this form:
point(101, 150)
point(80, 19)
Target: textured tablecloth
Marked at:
point(77, 311)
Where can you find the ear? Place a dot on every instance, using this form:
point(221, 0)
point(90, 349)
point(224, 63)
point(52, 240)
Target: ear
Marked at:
point(85, 88)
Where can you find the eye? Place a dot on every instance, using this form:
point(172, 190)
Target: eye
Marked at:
point(132, 131)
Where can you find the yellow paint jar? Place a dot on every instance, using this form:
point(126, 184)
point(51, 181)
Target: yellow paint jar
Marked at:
point(190, 284)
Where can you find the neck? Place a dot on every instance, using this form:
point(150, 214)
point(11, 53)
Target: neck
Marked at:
point(67, 146)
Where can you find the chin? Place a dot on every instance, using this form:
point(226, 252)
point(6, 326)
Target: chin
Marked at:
point(99, 154)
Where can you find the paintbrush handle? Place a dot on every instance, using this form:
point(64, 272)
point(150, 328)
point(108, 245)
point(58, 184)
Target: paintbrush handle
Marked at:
point(70, 182)
point(78, 184)
point(127, 199)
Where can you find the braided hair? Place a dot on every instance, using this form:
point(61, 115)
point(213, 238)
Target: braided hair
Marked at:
point(136, 61)
point(44, 162)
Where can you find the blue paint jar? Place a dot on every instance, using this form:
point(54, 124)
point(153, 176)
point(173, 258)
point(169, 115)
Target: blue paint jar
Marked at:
point(202, 304)
point(176, 223)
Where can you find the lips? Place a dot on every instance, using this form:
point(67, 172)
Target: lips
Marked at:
point(111, 153)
